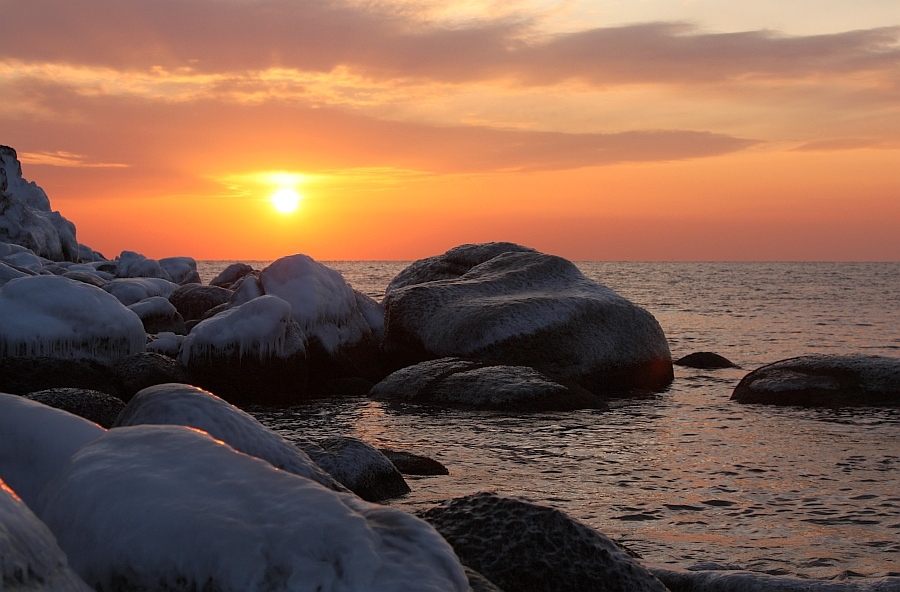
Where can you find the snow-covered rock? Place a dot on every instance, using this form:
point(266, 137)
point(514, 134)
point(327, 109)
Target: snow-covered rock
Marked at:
point(361, 468)
point(185, 405)
point(85, 277)
point(165, 343)
point(823, 381)
point(30, 559)
point(181, 270)
point(508, 304)
point(158, 315)
point(453, 382)
point(167, 507)
point(131, 290)
point(231, 274)
point(58, 317)
point(25, 215)
point(526, 547)
point(37, 441)
point(135, 265)
point(193, 300)
point(252, 353)
point(8, 272)
point(96, 406)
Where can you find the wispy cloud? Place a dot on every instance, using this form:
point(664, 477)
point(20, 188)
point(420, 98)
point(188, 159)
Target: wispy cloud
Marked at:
point(65, 159)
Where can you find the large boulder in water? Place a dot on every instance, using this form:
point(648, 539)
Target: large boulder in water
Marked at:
point(453, 382)
point(823, 381)
point(512, 305)
point(526, 547)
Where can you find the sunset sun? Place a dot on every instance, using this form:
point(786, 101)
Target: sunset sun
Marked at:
point(285, 200)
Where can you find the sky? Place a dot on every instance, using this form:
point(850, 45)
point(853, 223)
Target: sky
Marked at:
point(596, 130)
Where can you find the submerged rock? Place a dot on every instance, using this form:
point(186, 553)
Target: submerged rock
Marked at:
point(413, 464)
point(96, 406)
point(456, 382)
point(705, 361)
point(511, 305)
point(525, 547)
point(823, 381)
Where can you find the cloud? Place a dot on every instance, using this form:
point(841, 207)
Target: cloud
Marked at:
point(65, 159)
point(834, 144)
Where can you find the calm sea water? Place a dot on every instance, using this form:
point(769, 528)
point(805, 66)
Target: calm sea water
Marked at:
point(687, 476)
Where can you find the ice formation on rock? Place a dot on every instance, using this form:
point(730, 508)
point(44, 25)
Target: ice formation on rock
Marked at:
point(30, 559)
point(168, 507)
point(37, 441)
point(62, 318)
point(25, 215)
point(8, 272)
point(166, 343)
point(135, 265)
point(181, 270)
point(132, 290)
point(185, 405)
point(158, 315)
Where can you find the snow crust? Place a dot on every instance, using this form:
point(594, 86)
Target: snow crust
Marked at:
point(36, 442)
point(185, 405)
point(168, 507)
point(30, 559)
point(132, 290)
point(62, 318)
point(258, 328)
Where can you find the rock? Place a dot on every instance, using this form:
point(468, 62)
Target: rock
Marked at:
point(159, 507)
point(139, 371)
point(181, 270)
point(705, 361)
point(455, 382)
point(185, 405)
point(511, 305)
point(158, 315)
point(22, 375)
point(166, 344)
point(359, 467)
point(414, 464)
point(25, 215)
point(61, 318)
point(31, 559)
point(823, 381)
point(132, 290)
point(87, 278)
point(193, 300)
point(526, 547)
point(253, 353)
point(8, 272)
point(96, 406)
point(135, 265)
point(231, 274)
point(736, 580)
point(479, 583)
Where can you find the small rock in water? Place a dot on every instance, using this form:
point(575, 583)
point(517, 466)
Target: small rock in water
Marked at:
point(705, 361)
point(95, 406)
point(414, 464)
point(361, 468)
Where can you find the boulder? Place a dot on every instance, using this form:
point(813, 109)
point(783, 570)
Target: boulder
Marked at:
point(705, 361)
point(87, 278)
point(9, 272)
point(358, 466)
point(511, 305)
point(231, 274)
point(57, 317)
point(526, 547)
point(139, 371)
point(166, 343)
point(413, 464)
point(156, 507)
point(96, 406)
point(181, 270)
point(135, 265)
point(823, 381)
point(454, 382)
point(24, 374)
point(30, 559)
point(252, 353)
point(159, 315)
point(193, 300)
point(132, 290)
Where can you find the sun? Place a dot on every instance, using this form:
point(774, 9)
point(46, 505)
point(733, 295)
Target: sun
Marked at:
point(285, 200)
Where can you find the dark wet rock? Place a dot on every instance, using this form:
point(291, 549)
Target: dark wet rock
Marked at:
point(705, 361)
point(85, 277)
point(139, 371)
point(96, 406)
point(413, 464)
point(526, 547)
point(159, 316)
point(21, 375)
point(479, 583)
point(511, 305)
point(231, 274)
point(823, 381)
point(358, 466)
point(214, 311)
point(455, 382)
point(735, 580)
point(193, 300)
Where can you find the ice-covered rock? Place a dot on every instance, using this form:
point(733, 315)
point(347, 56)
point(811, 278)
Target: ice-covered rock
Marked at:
point(58, 317)
point(93, 279)
point(526, 547)
point(181, 270)
point(253, 353)
point(96, 406)
point(193, 300)
point(363, 469)
point(453, 382)
point(823, 381)
point(8, 272)
point(170, 508)
point(135, 265)
point(185, 405)
point(705, 361)
point(37, 441)
point(132, 290)
point(25, 259)
point(158, 315)
point(139, 371)
point(165, 343)
point(508, 304)
point(25, 215)
point(30, 559)
point(231, 274)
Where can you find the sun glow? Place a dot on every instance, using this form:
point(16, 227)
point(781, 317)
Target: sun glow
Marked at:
point(286, 200)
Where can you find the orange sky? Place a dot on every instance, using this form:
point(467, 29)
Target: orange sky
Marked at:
point(593, 130)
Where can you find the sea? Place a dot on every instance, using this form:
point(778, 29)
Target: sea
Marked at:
point(685, 477)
